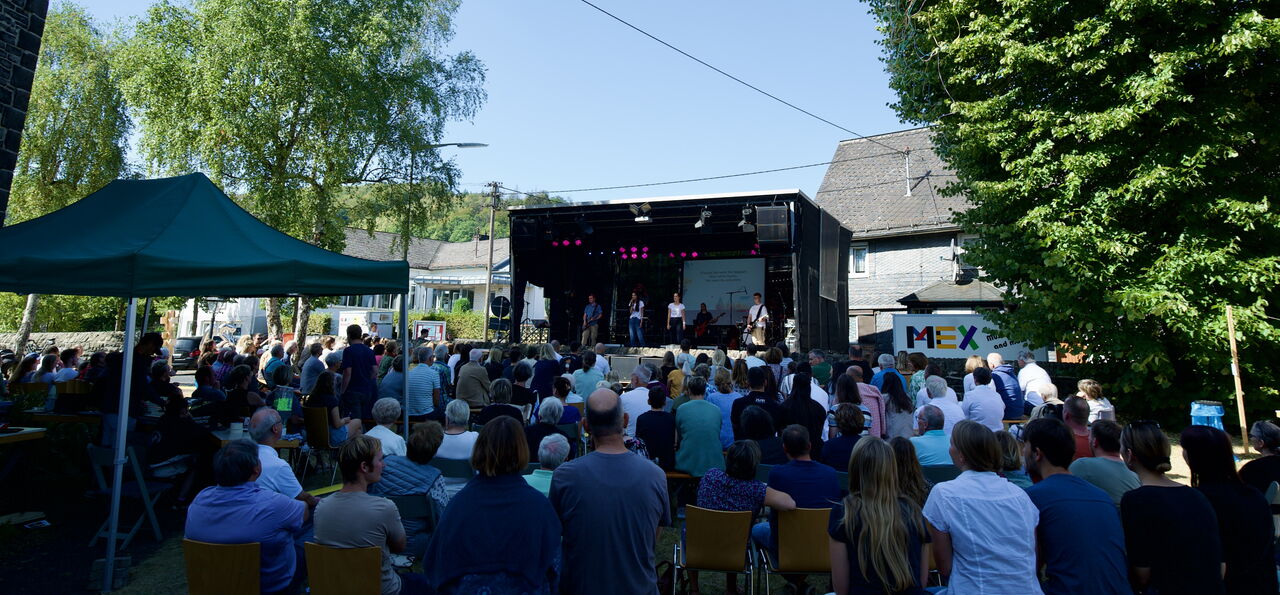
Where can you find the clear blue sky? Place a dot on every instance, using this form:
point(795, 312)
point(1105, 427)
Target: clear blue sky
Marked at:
point(578, 100)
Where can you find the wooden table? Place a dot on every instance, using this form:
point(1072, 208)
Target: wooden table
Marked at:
point(23, 435)
point(45, 417)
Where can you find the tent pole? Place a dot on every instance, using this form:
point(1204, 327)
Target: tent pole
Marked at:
point(405, 349)
point(146, 317)
point(122, 429)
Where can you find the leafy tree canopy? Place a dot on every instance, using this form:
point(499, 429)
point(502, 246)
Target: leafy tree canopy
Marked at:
point(1121, 158)
point(464, 216)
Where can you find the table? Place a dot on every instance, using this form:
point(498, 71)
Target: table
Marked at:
point(23, 435)
point(225, 437)
point(19, 438)
point(92, 418)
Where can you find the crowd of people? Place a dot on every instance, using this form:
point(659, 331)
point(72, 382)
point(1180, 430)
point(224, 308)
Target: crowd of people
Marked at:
point(573, 465)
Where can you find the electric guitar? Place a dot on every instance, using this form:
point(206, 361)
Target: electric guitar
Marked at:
point(702, 326)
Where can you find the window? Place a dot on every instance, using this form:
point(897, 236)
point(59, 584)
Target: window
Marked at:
point(961, 240)
point(858, 254)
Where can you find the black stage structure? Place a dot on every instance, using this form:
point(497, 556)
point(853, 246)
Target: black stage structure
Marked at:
point(613, 247)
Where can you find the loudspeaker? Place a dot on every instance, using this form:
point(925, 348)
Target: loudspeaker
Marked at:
point(524, 234)
point(773, 227)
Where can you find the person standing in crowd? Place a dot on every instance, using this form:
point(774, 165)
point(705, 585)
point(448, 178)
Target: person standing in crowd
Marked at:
point(698, 432)
point(1264, 437)
point(1170, 530)
point(1244, 516)
point(983, 404)
point(878, 539)
point(386, 412)
point(1075, 411)
point(982, 527)
point(932, 445)
point(1105, 469)
point(610, 503)
point(499, 535)
point(657, 429)
point(1078, 556)
point(1005, 379)
point(424, 399)
point(237, 510)
point(473, 381)
point(675, 320)
point(635, 321)
point(1099, 407)
point(591, 315)
point(410, 475)
point(359, 371)
point(351, 517)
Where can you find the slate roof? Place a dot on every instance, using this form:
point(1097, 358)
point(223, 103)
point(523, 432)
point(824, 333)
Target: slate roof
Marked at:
point(865, 185)
point(948, 292)
point(380, 247)
point(462, 255)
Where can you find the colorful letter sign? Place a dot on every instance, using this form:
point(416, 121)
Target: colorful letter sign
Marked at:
point(952, 336)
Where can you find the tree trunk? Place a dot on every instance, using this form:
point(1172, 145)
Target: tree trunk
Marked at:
point(301, 316)
point(28, 321)
point(275, 332)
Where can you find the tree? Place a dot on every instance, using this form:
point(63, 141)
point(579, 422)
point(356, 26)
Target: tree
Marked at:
point(73, 140)
point(289, 101)
point(466, 216)
point(1121, 159)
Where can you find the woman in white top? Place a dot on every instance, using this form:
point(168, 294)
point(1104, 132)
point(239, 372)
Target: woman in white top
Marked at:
point(386, 412)
point(675, 319)
point(1099, 407)
point(983, 527)
point(458, 441)
point(972, 363)
point(636, 320)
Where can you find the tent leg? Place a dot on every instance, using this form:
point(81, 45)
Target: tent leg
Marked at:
point(405, 349)
point(146, 317)
point(122, 429)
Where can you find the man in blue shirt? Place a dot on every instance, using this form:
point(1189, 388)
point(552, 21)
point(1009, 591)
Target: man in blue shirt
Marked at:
point(887, 364)
point(1005, 380)
point(359, 371)
point(933, 446)
point(591, 320)
point(1080, 536)
point(236, 510)
point(810, 483)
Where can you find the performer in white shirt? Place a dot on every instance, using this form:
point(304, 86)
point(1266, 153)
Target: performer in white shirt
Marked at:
point(636, 320)
point(675, 319)
point(757, 317)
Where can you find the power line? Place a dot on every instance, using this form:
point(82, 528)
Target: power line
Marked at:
point(738, 80)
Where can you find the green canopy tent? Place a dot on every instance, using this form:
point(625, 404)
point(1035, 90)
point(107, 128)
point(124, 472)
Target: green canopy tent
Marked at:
point(178, 236)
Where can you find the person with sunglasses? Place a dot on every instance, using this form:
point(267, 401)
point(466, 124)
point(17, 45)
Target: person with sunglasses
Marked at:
point(1171, 530)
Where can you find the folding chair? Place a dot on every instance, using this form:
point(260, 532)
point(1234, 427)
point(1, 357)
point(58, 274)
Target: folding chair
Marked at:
point(582, 409)
point(453, 468)
point(146, 492)
point(715, 541)
point(316, 420)
point(802, 544)
point(530, 468)
point(214, 568)
point(342, 571)
point(574, 432)
point(1273, 498)
point(418, 507)
point(940, 473)
point(762, 472)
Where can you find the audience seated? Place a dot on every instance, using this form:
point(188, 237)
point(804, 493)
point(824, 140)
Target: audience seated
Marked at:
point(1264, 437)
point(237, 510)
point(562, 388)
point(758, 377)
point(982, 403)
point(911, 479)
point(982, 526)
point(1080, 540)
point(757, 426)
point(322, 395)
point(1075, 412)
point(1170, 530)
point(500, 535)
point(185, 445)
point(1244, 517)
point(657, 428)
point(386, 412)
point(635, 402)
point(941, 396)
point(810, 484)
point(585, 379)
point(521, 394)
point(698, 430)
point(266, 428)
point(932, 445)
point(351, 517)
point(611, 503)
point(550, 412)
point(1105, 469)
point(410, 474)
point(501, 406)
point(800, 409)
point(552, 452)
point(1011, 460)
point(850, 424)
point(877, 536)
point(391, 386)
point(722, 396)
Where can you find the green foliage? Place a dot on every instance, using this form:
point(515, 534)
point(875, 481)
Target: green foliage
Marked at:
point(462, 305)
point(317, 324)
point(456, 219)
point(74, 313)
point(458, 325)
point(1122, 160)
point(73, 139)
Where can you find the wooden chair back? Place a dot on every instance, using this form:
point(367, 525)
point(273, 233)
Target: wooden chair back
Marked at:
point(453, 468)
point(316, 420)
point(342, 571)
point(940, 473)
point(74, 387)
point(802, 540)
point(29, 388)
point(716, 539)
point(582, 409)
point(214, 568)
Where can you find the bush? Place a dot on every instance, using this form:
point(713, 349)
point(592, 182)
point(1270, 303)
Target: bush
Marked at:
point(462, 305)
point(458, 325)
point(317, 324)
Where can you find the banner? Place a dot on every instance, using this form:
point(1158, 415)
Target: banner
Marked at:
point(435, 330)
point(954, 336)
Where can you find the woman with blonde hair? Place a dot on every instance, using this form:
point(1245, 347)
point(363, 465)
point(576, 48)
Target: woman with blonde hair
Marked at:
point(1099, 407)
point(902, 363)
point(718, 358)
point(1012, 468)
point(972, 363)
point(910, 476)
point(740, 383)
point(877, 536)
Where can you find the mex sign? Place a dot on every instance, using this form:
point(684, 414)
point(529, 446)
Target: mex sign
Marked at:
point(953, 336)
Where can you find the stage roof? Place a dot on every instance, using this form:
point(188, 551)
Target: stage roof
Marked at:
point(660, 199)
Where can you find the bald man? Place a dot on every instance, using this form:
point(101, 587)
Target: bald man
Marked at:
point(611, 503)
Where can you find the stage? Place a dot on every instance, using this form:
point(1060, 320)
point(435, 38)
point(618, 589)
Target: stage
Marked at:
point(716, 250)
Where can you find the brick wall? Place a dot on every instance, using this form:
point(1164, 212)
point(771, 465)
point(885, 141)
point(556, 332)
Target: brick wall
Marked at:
point(21, 25)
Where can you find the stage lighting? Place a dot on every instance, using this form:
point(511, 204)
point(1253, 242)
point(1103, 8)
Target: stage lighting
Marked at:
point(644, 249)
point(702, 219)
point(671, 255)
point(641, 212)
point(577, 242)
point(584, 227)
point(695, 255)
point(634, 249)
point(745, 225)
point(645, 255)
point(684, 254)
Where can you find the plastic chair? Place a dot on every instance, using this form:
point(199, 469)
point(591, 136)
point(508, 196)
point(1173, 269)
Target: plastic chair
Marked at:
point(418, 507)
point(715, 541)
point(453, 468)
point(343, 571)
point(530, 468)
point(940, 473)
point(802, 544)
point(574, 432)
point(214, 568)
point(762, 472)
point(316, 420)
point(146, 492)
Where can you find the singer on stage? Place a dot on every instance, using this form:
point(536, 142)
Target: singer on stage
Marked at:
point(675, 320)
point(636, 320)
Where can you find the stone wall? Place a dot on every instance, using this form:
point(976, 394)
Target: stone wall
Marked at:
point(21, 25)
point(90, 341)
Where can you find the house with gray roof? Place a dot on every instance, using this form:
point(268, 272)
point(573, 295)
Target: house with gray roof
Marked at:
point(906, 254)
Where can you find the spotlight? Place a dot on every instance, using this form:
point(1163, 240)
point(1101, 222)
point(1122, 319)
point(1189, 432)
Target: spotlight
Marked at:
point(645, 255)
point(684, 254)
point(744, 224)
point(644, 249)
point(577, 242)
point(695, 255)
point(702, 219)
point(564, 243)
point(633, 249)
point(671, 255)
point(641, 212)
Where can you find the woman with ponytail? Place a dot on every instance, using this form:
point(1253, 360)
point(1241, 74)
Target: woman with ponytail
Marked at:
point(1170, 530)
point(878, 537)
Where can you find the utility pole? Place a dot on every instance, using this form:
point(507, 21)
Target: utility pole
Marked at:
point(1235, 373)
point(495, 194)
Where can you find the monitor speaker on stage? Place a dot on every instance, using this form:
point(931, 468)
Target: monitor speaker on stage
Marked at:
point(524, 234)
point(773, 228)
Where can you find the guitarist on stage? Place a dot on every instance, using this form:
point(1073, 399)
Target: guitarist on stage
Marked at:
point(591, 320)
point(703, 320)
point(757, 318)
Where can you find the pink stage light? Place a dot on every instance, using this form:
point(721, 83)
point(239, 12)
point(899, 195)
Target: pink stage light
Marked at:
point(645, 249)
point(695, 255)
point(634, 249)
point(565, 243)
point(645, 255)
point(684, 254)
point(577, 242)
point(671, 255)
point(753, 252)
